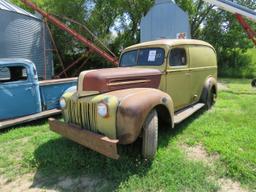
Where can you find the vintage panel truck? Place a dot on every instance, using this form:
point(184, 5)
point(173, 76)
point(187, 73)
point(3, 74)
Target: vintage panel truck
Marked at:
point(23, 98)
point(162, 80)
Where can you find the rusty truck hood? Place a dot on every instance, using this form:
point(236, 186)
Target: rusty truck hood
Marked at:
point(105, 80)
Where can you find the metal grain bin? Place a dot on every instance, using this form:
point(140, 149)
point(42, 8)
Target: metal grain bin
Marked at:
point(165, 20)
point(24, 35)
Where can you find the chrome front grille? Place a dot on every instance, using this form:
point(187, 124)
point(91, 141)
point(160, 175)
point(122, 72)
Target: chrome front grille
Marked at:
point(82, 113)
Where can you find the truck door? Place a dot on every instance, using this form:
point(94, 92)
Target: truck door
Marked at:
point(19, 92)
point(178, 77)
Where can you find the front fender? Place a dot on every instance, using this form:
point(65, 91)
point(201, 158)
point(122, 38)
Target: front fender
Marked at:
point(70, 90)
point(134, 106)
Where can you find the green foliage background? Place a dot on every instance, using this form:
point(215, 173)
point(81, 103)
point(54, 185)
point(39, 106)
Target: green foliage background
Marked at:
point(116, 23)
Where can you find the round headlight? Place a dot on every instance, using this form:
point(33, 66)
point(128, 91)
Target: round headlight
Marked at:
point(62, 103)
point(102, 109)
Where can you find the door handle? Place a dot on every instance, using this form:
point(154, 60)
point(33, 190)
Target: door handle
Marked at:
point(28, 89)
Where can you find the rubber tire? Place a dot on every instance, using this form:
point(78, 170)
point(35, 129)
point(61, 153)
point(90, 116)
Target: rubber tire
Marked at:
point(150, 135)
point(253, 83)
point(210, 100)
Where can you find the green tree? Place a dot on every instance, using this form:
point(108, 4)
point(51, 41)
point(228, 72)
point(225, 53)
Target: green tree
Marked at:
point(228, 37)
point(223, 31)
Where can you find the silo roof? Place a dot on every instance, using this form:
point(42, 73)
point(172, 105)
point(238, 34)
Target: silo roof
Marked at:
point(6, 5)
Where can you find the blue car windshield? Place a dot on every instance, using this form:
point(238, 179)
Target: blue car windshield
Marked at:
point(143, 57)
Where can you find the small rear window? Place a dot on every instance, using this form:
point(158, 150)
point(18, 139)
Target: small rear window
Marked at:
point(4, 74)
point(11, 74)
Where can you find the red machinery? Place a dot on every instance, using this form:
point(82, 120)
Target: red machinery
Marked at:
point(251, 34)
point(240, 12)
point(72, 32)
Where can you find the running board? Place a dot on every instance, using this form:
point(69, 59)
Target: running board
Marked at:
point(182, 115)
point(29, 118)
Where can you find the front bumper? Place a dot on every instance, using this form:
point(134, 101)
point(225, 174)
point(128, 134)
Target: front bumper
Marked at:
point(94, 141)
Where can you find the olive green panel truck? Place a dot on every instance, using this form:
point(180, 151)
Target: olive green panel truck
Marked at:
point(159, 81)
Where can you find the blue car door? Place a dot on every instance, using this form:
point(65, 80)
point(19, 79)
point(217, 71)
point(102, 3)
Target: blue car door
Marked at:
point(19, 92)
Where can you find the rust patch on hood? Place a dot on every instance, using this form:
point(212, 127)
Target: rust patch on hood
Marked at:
point(105, 80)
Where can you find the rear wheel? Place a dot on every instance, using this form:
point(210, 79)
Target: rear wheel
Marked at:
point(150, 135)
point(211, 99)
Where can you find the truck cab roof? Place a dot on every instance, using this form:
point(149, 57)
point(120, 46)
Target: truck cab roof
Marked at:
point(15, 61)
point(170, 42)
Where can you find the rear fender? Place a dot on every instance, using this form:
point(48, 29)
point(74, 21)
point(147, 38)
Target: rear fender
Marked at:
point(210, 83)
point(134, 108)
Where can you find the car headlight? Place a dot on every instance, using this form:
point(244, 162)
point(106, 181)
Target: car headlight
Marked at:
point(102, 109)
point(62, 103)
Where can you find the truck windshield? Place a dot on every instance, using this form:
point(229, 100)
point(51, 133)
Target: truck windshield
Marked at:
point(143, 57)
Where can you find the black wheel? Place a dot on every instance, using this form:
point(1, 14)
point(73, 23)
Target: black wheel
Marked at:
point(253, 83)
point(211, 99)
point(150, 135)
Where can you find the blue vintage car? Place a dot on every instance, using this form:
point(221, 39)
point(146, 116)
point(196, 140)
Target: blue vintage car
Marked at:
point(23, 98)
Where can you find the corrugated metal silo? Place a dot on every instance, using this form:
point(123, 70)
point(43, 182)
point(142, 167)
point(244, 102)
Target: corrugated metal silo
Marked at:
point(165, 20)
point(24, 35)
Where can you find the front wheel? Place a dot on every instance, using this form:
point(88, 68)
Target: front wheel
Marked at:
point(150, 135)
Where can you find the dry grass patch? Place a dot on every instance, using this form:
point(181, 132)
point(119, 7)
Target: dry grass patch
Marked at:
point(227, 185)
point(36, 183)
point(222, 87)
point(198, 153)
